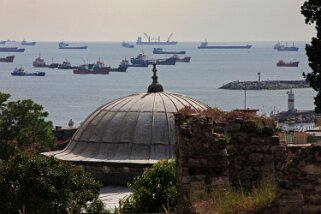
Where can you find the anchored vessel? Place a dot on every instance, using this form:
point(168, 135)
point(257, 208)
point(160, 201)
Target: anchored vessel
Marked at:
point(122, 67)
point(282, 63)
point(161, 51)
point(7, 59)
point(21, 72)
point(39, 62)
point(64, 45)
point(97, 68)
point(24, 42)
point(280, 47)
point(155, 41)
point(204, 45)
point(66, 65)
point(127, 45)
point(12, 49)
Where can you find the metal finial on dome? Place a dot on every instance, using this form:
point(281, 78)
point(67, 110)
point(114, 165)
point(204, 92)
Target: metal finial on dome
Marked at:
point(155, 86)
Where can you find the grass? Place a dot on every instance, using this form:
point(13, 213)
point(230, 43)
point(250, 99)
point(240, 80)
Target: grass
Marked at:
point(241, 201)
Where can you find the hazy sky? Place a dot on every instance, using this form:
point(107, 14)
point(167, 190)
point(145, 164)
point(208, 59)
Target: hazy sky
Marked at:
point(189, 20)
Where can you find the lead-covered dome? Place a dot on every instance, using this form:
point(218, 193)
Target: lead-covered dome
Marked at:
point(139, 128)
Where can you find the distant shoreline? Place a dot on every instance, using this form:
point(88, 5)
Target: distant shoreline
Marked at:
point(265, 85)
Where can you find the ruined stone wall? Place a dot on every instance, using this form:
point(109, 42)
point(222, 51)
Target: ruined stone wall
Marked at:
point(300, 184)
point(201, 160)
point(254, 153)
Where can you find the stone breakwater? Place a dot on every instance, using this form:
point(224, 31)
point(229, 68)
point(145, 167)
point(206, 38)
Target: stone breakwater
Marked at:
point(265, 85)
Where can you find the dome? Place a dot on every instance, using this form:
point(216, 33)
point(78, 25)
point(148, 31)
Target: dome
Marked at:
point(137, 129)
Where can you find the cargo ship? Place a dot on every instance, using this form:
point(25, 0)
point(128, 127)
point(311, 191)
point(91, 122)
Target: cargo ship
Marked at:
point(21, 72)
point(153, 41)
point(24, 42)
point(204, 45)
point(282, 63)
point(161, 51)
point(280, 47)
point(143, 61)
point(122, 67)
point(127, 45)
point(11, 49)
point(184, 59)
point(39, 63)
point(97, 68)
point(64, 45)
point(7, 59)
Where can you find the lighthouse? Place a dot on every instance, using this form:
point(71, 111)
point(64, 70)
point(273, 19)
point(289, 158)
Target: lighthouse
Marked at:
point(290, 101)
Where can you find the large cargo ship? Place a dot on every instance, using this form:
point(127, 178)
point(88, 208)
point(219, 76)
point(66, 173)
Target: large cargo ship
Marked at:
point(154, 41)
point(204, 45)
point(12, 49)
point(64, 45)
point(24, 42)
point(161, 51)
point(282, 63)
point(280, 47)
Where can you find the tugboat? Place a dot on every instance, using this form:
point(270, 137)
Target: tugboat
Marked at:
point(98, 68)
point(161, 51)
point(122, 67)
point(282, 63)
point(40, 63)
point(66, 65)
point(21, 72)
point(7, 59)
point(64, 45)
point(127, 45)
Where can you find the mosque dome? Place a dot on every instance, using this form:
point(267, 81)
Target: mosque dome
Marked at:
point(139, 128)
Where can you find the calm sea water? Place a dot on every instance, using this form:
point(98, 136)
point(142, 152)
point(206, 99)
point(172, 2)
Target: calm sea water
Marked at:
point(67, 96)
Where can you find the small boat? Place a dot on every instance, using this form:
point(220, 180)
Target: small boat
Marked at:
point(24, 42)
point(280, 47)
point(40, 63)
point(64, 45)
point(161, 51)
point(97, 68)
point(127, 45)
point(282, 63)
point(66, 65)
point(204, 45)
point(7, 59)
point(11, 49)
point(184, 59)
point(122, 67)
point(21, 72)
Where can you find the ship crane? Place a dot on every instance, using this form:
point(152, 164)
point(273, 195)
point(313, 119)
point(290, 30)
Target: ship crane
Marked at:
point(169, 37)
point(147, 36)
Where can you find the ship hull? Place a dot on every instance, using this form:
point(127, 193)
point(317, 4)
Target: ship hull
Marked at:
point(225, 47)
point(169, 52)
point(74, 48)
point(290, 64)
point(28, 43)
point(97, 71)
point(12, 49)
point(7, 59)
point(156, 43)
point(29, 74)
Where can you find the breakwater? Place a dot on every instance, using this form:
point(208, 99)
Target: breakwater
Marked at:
point(265, 85)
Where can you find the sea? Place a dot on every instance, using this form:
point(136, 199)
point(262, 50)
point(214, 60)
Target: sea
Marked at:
point(66, 96)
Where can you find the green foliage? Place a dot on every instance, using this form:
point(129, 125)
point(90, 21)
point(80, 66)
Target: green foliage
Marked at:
point(311, 9)
point(23, 126)
point(154, 190)
point(41, 184)
point(241, 201)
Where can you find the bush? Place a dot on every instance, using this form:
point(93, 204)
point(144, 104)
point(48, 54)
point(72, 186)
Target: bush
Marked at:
point(39, 184)
point(154, 190)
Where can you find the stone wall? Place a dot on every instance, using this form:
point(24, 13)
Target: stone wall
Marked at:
point(210, 153)
point(300, 184)
point(254, 153)
point(201, 160)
